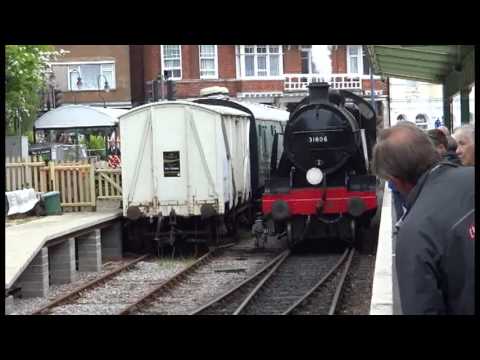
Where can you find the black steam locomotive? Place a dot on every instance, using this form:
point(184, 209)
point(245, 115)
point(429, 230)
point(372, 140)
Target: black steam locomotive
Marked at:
point(321, 187)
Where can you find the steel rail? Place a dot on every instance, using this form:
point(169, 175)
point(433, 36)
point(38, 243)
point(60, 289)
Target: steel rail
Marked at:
point(283, 257)
point(340, 284)
point(318, 284)
point(90, 285)
point(169, 283)
point(237, 287)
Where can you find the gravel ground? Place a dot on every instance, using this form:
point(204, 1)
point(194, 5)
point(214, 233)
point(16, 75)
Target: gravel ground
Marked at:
point(28, 305)
point(116, 294)
point(208, 282)
point(91, 303)
point(357, 292)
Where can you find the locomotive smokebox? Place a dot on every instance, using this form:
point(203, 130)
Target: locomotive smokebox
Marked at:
point(318, 92)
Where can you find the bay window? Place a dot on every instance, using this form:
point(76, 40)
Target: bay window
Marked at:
point(260, 61)
point(93, 76)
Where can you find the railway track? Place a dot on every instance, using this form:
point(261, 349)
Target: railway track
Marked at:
point(76, 294)
point(265, 282)
point(323, 297)
point(226, 303)
point(289, 284)
point(199, 282)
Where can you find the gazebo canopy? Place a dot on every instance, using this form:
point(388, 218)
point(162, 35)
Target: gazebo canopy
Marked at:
point(78, 116)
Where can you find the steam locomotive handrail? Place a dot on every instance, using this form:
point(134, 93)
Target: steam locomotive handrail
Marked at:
point(316, 131)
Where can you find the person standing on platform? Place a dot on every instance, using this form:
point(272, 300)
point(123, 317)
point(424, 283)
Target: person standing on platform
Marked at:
point(465, 137)
point(441, 144)
point(452, 143)
point(436, 235)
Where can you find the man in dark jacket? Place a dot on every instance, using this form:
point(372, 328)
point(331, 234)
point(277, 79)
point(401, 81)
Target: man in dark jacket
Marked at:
point(440, 141)
point(451, 147)
point(436, 238)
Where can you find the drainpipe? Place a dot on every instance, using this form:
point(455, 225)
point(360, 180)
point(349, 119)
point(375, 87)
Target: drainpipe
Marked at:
point(465, 105)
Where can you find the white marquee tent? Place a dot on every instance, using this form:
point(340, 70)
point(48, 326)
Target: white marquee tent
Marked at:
point(78, 116)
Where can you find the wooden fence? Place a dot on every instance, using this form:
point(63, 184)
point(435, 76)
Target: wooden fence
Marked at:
point(25, 173)
point(109, 183)
point(80, 183)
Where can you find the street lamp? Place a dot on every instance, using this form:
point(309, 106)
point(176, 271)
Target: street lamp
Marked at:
point(106, 87)
point(52, 83)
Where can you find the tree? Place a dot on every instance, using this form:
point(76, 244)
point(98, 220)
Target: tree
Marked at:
point(25, 70)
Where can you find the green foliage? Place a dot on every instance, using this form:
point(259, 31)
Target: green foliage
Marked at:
point(96, 142)
point(96, 146)
point(29, 133)
point(25, 66)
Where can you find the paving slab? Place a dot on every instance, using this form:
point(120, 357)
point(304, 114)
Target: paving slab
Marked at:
point(382, 302)
point(24, 241)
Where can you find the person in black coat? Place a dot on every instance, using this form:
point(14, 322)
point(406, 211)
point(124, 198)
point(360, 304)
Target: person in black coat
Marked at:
point(451, 146)
point(435, 253)
point(441, 143)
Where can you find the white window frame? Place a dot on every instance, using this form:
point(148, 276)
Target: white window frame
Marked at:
point(175, 68)
point(359, 57)
point(310, 59)
point(200, 63)
point(241, 57)
point(69, 64)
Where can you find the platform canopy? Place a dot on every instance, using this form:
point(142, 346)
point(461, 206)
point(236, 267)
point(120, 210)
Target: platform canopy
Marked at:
point(78, 116)
point(450, 65)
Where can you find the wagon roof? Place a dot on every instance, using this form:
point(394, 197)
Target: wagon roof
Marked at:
point(265, 112)
point(217, 109)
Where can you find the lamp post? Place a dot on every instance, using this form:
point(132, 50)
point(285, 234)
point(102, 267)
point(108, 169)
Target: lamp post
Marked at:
point(105, 87)
point(52, 82)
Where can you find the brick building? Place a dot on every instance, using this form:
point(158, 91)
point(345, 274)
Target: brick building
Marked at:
point(97, 75)
point(271, 74)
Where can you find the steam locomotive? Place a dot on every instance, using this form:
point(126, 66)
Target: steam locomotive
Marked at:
point(321, 186)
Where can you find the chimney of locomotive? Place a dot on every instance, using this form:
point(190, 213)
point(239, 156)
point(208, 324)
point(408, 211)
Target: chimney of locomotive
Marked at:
point(318, 92)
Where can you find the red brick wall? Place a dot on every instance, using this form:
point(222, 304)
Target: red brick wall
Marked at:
point(187, 88)
point(261, 85)
point(151, 61)
point(137, 73)
point(379, 85)
point(339, 59)
point(119, 53)
point(226, 62)
point(292, 61)
point(190, 62)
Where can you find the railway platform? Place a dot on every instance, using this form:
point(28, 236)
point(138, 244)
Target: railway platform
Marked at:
point(385, 299)
point(51, 249)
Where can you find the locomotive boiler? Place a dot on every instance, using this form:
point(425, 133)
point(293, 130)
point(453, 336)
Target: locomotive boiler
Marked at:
point(321, 187)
